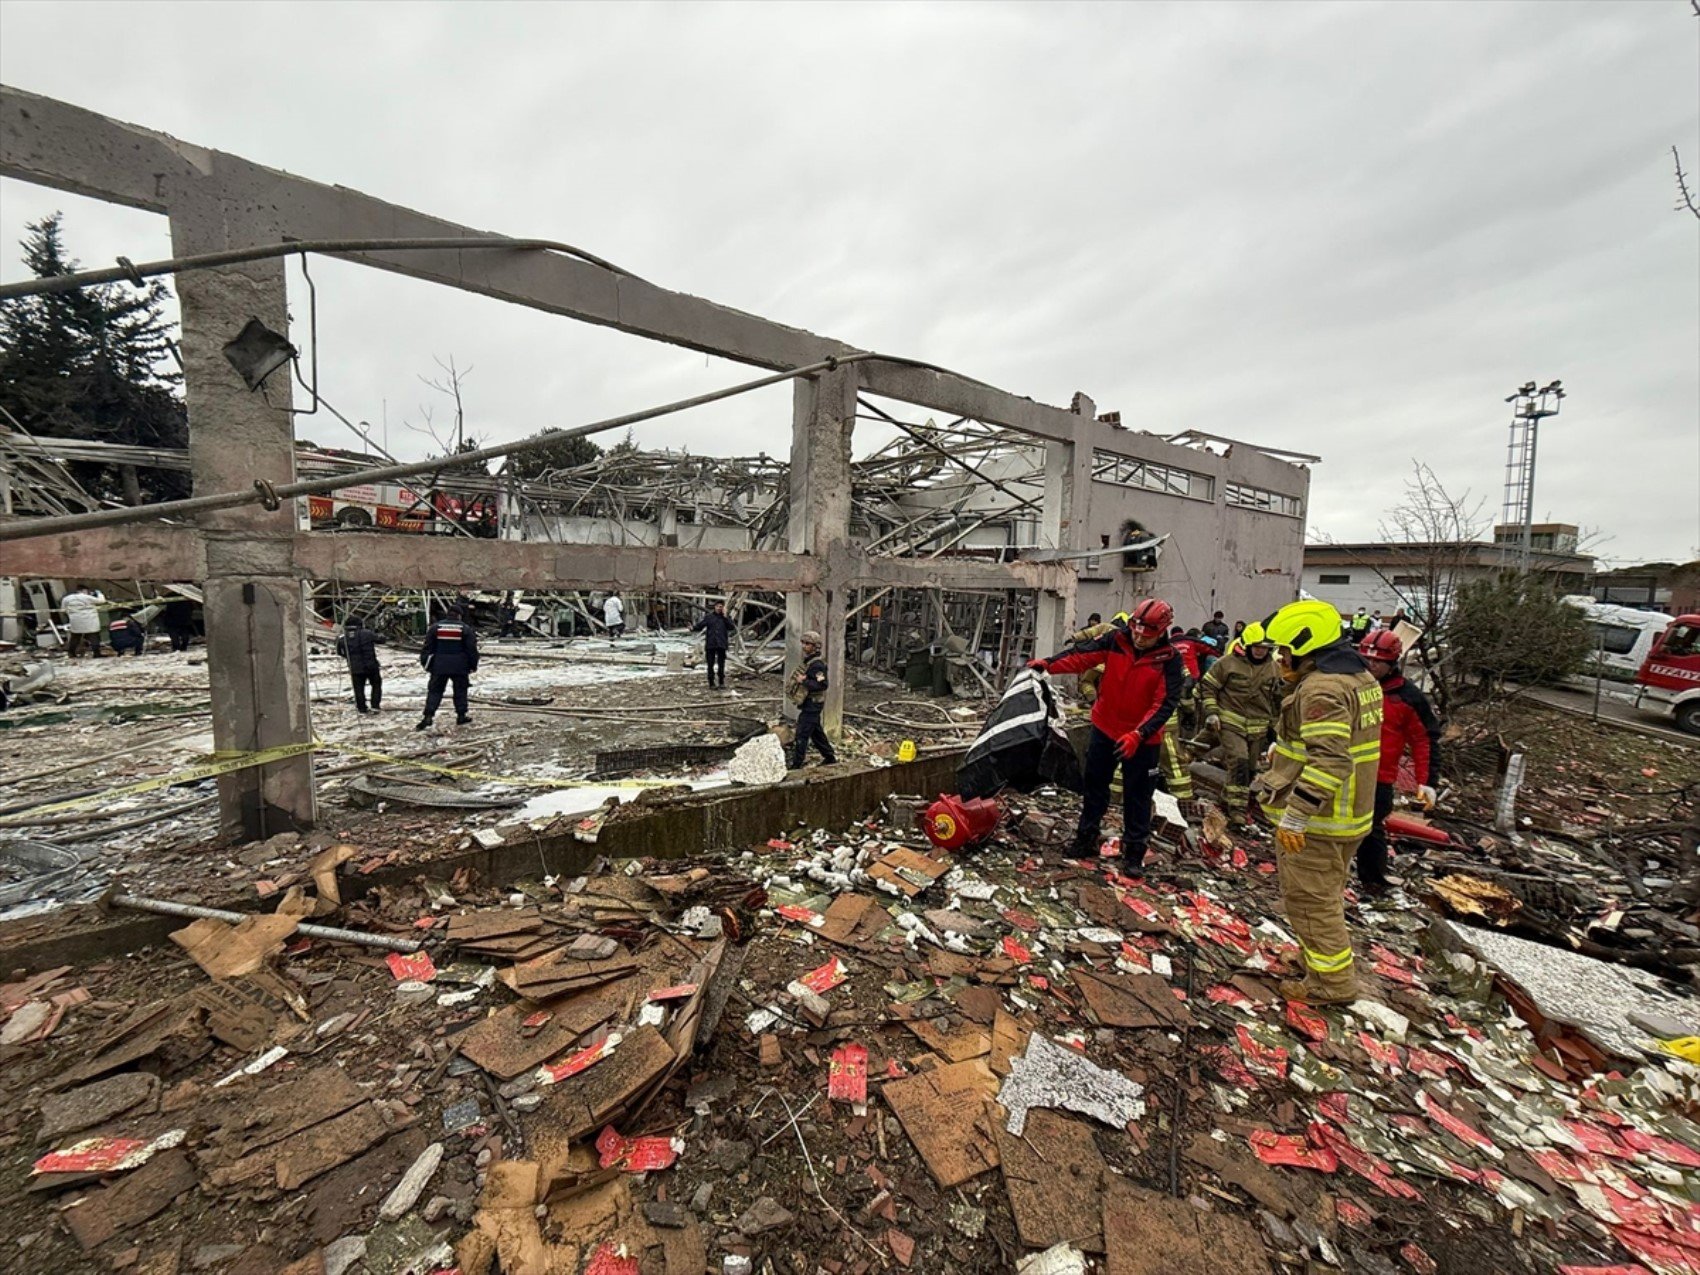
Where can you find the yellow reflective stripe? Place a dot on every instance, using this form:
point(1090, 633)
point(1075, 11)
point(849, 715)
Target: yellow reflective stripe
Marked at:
point(1290, 753)
point(1319, 777)
point(1318, 730)
point(1343, 829)
point(1325, 963)
point(1365, 750)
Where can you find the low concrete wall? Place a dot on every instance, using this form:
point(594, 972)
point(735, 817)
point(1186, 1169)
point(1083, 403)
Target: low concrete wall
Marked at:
point(667, 827)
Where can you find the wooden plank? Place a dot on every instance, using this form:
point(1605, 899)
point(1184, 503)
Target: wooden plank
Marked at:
point(946, 1113)
point(1055, 1179)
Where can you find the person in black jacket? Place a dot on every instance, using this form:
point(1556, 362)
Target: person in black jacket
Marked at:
point(359, 646)
point(808, 692)
point(717, 640)
point(179, 621)
point(450, 654)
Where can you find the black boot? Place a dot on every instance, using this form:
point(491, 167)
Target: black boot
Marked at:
point(424, 725)
point(1084, 846)
point(462, 721)
point(1133, 860)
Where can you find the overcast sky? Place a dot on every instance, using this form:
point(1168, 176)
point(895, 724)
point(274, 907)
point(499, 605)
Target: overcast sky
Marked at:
point(1348, 229)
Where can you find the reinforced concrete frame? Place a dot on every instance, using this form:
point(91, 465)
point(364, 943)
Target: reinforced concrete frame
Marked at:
point(253, 562)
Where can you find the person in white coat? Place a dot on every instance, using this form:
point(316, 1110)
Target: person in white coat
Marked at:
point(614, 614)
point(82, 618)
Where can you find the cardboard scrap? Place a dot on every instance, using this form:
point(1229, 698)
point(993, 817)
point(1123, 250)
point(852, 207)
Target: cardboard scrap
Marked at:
point(907, 871)
point(1130, 1000)
point(102, 1214)
point(602, 1093)
point(323, 871)
point(505, 1047)
point(1055, 1180)
point(1009, 1038)
point(303, 1156)
point(95, 1104)
point(945, 1113)
point(853, 919)
point(578, 1060)
point(1149, 1234)
point(224, 950)
point(956, 1042)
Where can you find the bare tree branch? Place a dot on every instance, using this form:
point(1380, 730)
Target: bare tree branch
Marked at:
point(1682, 177)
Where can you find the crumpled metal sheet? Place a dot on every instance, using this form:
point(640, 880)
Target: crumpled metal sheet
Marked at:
point(44, 869)
point(1052, 1075)
point(432, 795)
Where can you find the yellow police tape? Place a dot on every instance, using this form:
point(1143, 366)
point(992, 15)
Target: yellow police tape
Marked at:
point(226, 763)
point(517, 780)
point(220, 765)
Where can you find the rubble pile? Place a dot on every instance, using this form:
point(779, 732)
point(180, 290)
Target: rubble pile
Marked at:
point(839, 1051)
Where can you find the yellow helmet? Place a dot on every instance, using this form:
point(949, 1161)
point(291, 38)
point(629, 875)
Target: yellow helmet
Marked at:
point(1253, 635)
point(1303, 628)
point(1121, 617)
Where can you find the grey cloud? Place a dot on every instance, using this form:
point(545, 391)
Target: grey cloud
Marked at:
point(1347, 229)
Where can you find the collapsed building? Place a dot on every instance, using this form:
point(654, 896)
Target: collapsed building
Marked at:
point(1049, 511)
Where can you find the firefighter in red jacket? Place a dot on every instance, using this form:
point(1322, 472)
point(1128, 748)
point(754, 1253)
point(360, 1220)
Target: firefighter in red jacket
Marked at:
point(1142, 684)
point(1410, 723)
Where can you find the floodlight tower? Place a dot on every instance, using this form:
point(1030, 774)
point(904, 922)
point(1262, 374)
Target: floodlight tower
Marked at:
point(1529, 407)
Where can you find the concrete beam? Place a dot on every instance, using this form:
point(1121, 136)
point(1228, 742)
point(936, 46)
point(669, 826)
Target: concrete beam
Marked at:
point(142, 551)
point(445, 562)
point(157, 552)
point(53, 143)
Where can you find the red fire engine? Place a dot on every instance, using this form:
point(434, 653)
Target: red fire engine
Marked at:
point(1671, 674)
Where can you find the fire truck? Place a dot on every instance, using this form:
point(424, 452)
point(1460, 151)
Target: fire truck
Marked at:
point(1670, 675)
point(392, 506)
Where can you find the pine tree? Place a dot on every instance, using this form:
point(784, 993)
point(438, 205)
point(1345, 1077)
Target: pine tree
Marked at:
point(94, 363)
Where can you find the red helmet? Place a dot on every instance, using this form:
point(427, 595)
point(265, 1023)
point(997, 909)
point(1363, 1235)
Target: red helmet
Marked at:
point(1384, 645)
point(1151, 618)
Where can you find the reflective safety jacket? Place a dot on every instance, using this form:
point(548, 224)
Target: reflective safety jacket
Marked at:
point(1328, 748)
point(1087, 683)
point(1244, 695)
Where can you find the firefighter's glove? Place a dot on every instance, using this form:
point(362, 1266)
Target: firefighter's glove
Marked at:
point(1426, 796)
point(1129, 744)
point(1290, 832)
point(1039, 666)
point(1213, 722)
point(1269, 756)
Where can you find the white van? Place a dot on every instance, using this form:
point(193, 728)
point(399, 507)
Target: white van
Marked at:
point(1623, 636)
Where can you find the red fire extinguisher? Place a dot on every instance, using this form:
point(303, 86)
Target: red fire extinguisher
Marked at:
point(952, 823)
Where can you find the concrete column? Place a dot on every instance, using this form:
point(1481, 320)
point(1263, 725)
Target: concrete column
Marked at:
point(256, 643)
point(823, 420)
point(1065, 521)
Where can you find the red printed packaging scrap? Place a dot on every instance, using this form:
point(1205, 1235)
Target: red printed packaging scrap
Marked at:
point(1288, 1148)
point(1015, 951)
point(637, 1155)
point(848, 1078)
point(800, 914)
point(415, 966)
point(611, 1259)
point(676, 992)
point(572, 1064)
point(105, 1155)
point(823, 980)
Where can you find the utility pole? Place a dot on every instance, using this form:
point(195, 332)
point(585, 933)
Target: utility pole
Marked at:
point(1529, 408)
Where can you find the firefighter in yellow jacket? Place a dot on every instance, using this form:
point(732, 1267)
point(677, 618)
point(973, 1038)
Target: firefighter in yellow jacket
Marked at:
point(1241, 695)
point(1320, 790)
